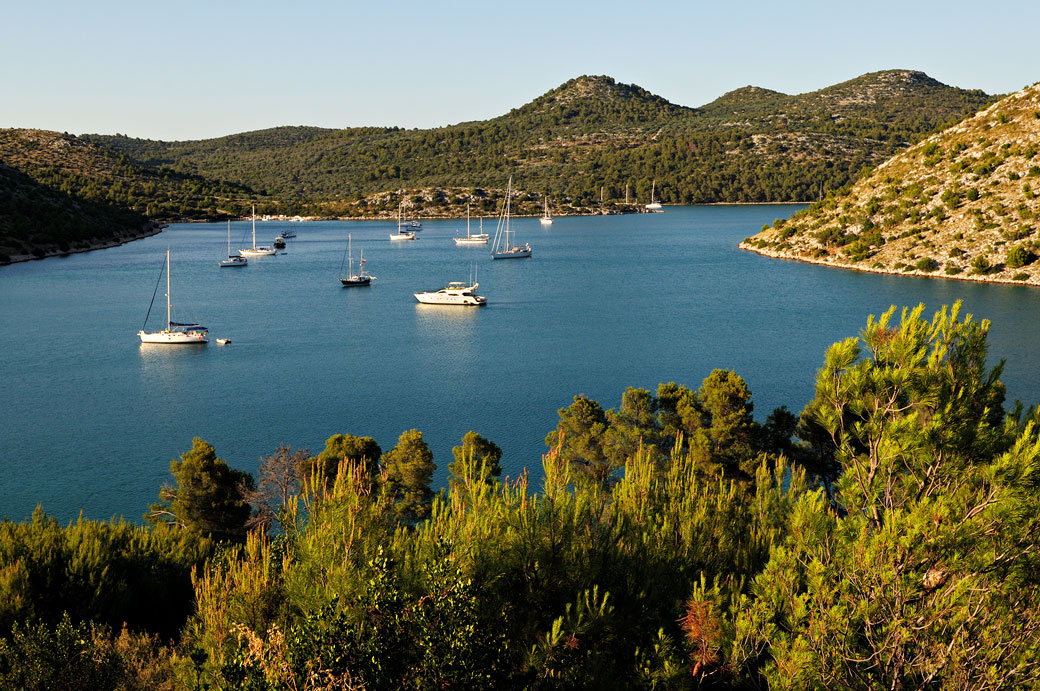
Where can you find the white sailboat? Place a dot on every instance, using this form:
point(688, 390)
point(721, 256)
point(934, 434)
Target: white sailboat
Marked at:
point(504, 247)
point(401, 233)
point(480, 238)
point(361, 278)
point(175, 333)
point(653, 205)
point(232, 259)
point(546, 219)
point(255, 251)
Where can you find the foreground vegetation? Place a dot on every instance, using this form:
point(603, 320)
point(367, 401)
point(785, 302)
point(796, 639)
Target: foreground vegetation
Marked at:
point(885, 537)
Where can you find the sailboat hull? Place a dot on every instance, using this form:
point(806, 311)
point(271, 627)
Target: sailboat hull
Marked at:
point(173, 337)
point(472, 240)
point(515, 253)
point(354, 281)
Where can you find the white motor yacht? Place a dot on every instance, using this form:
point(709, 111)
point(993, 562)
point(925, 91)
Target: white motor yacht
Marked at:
point(455, 293)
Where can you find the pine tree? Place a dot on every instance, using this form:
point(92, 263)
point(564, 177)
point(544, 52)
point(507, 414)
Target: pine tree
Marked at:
point(409, 474)
point(209, 496)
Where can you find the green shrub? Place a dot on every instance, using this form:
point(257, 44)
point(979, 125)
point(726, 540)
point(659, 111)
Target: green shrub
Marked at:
point(927, 264)
point(953, 270)
point(980, 265)
point(1018, 256)
point(1020, 277)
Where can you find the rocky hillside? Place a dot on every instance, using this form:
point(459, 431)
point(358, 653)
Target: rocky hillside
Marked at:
point(96, 174)
point(961, 203)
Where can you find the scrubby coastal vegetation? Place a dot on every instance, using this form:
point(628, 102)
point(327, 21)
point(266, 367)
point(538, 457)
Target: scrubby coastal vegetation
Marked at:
point(886, 536)
point(962, 203)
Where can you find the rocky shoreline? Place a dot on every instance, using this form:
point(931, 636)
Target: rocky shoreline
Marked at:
point(978, 278)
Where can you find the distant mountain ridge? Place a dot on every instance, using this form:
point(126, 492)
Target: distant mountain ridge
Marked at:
point(962, 203)
point(590, 137)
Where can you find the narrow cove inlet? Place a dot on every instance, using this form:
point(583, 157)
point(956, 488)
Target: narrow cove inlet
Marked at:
point(92, 417)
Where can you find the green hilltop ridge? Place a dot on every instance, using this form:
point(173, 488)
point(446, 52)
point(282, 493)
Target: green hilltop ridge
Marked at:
point(961, 203)
point(589, 137)
point(616, 106)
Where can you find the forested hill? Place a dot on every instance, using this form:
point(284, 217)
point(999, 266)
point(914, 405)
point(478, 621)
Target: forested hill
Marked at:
point(97, 174)
point(37, 221)
point(962, 203)
point(589, 137)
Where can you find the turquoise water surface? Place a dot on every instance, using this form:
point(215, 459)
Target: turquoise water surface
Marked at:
point(90, 418)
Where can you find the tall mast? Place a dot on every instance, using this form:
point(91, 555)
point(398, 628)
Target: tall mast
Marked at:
point(467, 220)
point(169, 317)
point(254, 226)
point(509, 195)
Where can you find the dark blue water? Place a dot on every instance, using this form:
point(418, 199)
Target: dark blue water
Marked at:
point(90, 418)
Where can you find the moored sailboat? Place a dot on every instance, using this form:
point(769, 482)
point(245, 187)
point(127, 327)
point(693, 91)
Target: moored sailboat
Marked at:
point(654, 205)
point(255, 251)
point(480, 238)
point(232, 259)
point(175, 333)
point(504, 247)
point(401, 233)
point(361, 278)
point(546, 219)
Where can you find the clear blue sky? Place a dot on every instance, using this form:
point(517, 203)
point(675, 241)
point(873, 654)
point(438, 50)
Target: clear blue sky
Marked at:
point(192, 69)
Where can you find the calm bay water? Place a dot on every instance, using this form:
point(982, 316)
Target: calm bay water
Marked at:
point(90, 418)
